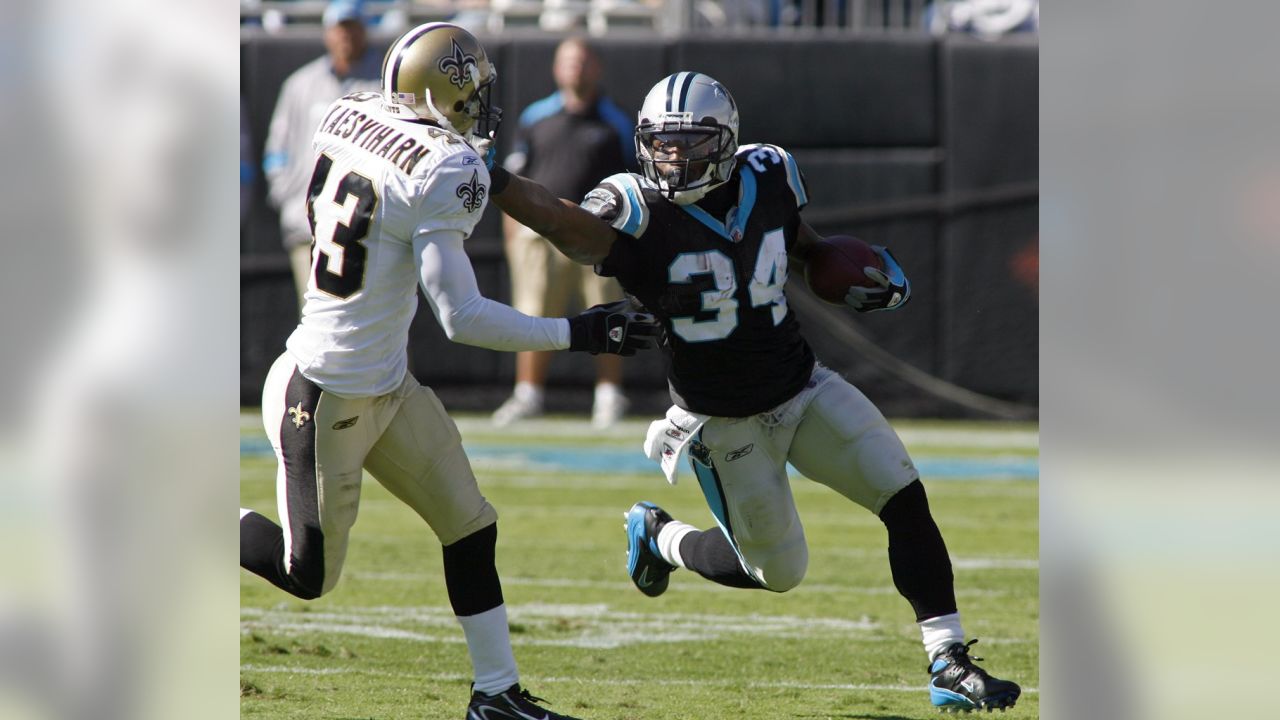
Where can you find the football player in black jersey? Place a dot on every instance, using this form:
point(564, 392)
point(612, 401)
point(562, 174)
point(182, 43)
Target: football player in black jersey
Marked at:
point(704, 237)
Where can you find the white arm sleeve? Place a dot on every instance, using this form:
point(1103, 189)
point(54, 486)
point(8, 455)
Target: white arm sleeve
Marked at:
point(467, 316)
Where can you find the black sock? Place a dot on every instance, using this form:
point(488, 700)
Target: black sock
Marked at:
point(471, 573)
point(917, 554)
point(709, 553)
point(262, 553)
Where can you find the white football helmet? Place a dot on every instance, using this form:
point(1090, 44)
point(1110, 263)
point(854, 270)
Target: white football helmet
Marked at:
point(686, 136)
point(440, 73)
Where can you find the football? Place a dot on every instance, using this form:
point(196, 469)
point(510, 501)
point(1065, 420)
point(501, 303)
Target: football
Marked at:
point(835, 263)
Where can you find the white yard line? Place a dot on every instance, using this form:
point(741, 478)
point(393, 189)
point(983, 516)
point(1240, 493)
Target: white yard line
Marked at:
point(595, 626)
point(566, 625)
point(647, 682)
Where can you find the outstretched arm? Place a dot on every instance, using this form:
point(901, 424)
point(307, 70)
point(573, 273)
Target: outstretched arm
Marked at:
point(581, 236)
point(468, 317)
point(472, 319)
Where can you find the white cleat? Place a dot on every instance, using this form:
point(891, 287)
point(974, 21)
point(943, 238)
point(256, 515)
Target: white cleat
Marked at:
point(516, 408)
point(608, 410)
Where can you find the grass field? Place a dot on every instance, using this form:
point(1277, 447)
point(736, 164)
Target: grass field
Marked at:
point(384, 644)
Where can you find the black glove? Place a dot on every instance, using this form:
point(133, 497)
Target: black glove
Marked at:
point(894, 290)
point(615, 328)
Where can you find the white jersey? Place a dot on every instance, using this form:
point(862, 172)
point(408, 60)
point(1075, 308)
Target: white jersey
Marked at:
point(378, 182)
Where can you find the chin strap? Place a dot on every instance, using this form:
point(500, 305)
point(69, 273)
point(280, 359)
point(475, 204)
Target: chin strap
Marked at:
point(435, 114)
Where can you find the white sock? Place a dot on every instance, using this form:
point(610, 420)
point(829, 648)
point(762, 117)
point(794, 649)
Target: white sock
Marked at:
point(940, 632)
point(489, 641)
point(607, 391)
point(669, 538)
point(527, 391)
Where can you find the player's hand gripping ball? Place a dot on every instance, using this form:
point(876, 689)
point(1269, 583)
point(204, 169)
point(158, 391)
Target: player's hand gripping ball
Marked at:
point(844, 270)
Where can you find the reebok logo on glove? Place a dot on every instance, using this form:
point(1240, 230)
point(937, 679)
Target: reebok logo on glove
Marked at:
point(614, 328)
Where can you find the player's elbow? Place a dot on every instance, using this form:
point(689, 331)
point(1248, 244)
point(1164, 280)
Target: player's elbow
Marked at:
point(460, 333)
point(466, 329)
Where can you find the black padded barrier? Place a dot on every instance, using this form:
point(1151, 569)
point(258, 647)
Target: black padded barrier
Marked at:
point(927, 146)
point(823, 92)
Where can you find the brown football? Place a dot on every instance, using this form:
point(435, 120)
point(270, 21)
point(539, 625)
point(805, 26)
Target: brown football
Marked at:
point(838, 261)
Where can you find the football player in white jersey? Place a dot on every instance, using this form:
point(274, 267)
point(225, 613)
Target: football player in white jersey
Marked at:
point(400, 181)
point(704, 237)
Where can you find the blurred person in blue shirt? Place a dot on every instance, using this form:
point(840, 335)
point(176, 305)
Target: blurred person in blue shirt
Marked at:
point(566, 141)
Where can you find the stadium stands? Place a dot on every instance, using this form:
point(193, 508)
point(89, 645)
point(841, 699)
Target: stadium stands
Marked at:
point(603, 16)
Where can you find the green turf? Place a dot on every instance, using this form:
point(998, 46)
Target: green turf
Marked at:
point(384, 644)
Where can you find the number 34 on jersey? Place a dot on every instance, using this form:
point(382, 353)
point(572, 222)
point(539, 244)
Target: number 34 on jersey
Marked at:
point(764, 290)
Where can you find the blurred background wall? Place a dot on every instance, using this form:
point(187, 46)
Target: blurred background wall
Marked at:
point(923, 142)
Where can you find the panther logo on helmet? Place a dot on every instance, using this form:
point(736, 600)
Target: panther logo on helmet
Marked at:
point(686, 136)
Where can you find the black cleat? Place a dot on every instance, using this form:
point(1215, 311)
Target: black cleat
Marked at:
point(514, 703)
point(648, 570)
point(958, 685)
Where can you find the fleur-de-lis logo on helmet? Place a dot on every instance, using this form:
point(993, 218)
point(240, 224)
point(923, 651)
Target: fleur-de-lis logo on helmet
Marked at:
point(457, 64)
point(472, 193)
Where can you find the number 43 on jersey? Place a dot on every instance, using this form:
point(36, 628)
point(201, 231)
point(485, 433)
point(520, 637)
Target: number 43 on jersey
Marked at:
point(339, 226)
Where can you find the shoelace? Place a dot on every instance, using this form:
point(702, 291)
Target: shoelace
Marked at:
point(962, 655)
point(524, 693)
point(968, 645)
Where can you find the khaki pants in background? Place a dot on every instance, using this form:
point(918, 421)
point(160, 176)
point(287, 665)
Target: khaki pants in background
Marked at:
point(543, 281)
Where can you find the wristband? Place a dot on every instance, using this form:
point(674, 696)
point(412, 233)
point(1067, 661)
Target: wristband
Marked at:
point(498, 179)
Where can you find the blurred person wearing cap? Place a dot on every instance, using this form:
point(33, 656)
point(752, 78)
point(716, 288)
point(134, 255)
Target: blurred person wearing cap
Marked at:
point(543, 281)
point(347, 66)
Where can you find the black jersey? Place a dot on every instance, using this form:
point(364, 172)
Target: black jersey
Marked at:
point(713, 272)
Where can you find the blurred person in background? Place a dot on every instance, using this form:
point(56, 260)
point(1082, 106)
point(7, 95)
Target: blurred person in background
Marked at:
point(397, 186)
point(704, 237)
point(566, 142)
point(986, 19)
point(347, 66)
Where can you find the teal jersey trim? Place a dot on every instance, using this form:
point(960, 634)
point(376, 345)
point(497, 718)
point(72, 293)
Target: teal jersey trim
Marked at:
point(738, 216)
point(793, 179)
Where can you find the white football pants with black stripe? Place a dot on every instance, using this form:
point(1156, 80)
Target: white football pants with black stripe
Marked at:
point(323, 442)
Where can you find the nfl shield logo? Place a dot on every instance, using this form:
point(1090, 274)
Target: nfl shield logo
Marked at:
point(615, 335)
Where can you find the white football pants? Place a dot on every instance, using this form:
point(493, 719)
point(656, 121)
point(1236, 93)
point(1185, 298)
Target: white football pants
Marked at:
point(322, 442)
point(832, 434)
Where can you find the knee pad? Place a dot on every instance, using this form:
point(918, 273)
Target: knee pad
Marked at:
point(778, 568)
